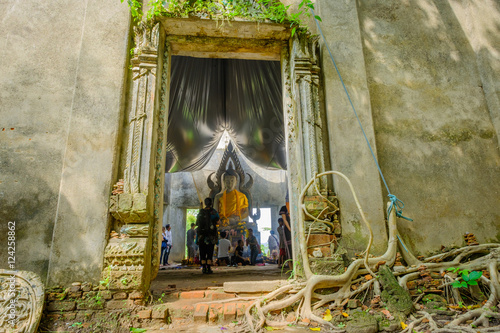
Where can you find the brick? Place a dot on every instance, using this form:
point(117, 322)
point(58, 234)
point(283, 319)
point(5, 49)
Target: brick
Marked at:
point(136, 295)
point(229, 311)
point(144, 314)
point(215, 311)
point(120, 295)
point(75, 294)
point(212, 316)
point(192, 294)
point(241, 307)
point(56, 296)
point(201, 313)
point(86, 287)
point(74, 289)
point(139, 302)
point(160, 312)
point(53, 316)
point(188, 308)
point(116, 304)
point(61, 306)
point(90, 304)
point(69, 316)
point(219, 296)
point(106, 294)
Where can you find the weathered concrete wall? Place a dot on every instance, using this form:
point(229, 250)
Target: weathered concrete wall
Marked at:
point(348, 149)
point(433, 86)
point(63, 66)
point(269, 190)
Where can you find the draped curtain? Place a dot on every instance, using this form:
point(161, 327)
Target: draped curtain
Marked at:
point(208, 96)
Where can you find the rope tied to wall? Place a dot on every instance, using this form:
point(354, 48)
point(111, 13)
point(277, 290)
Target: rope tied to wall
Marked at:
point(395, 202)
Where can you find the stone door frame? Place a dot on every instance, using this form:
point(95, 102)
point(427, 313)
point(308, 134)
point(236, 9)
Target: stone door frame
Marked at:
point(132, 263)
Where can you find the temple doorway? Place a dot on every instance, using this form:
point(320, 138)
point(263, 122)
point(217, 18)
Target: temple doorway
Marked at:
point(223, 114)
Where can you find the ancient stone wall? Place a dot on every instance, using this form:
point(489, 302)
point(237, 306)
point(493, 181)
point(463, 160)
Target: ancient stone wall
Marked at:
point(63, 69)
point(427, 73)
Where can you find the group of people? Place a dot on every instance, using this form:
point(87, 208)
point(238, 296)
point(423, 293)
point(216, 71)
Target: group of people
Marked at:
point(206, 237)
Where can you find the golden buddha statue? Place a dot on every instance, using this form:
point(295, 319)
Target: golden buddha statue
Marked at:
point(231, 204)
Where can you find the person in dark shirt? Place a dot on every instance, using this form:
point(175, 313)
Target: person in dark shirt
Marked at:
point(238, 254)
point(206, 221)
point(254, 246)
point(287, 231)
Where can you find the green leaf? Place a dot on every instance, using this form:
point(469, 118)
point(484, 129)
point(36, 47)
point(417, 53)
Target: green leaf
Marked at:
point(475, 275)
point(318, 18)
point(465, 276)
point(137, 330)
point(464, 284)
point(453, 269)
point(472, 283)
point(293, 31)
point(456, 284)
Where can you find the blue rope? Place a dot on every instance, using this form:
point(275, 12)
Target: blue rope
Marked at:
point(398, 205)
point(394, 201)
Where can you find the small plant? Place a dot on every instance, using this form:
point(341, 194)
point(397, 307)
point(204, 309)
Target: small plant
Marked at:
point(340, 325)
point(107, 280)
point(468, 278)
point(137, 330)
point(77, 325)
point(124, 281)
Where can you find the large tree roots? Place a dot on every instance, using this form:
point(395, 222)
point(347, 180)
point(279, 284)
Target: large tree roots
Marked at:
point(322, 300)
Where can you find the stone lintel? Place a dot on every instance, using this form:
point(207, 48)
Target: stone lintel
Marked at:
point(211, 47)
point(236, 29)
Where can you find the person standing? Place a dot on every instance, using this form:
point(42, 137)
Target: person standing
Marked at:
point(273, 244)
point(254, 246)
point(206, 221)
point(282, 251)
point(190, 236)
point(287, 230)
point(167, 236)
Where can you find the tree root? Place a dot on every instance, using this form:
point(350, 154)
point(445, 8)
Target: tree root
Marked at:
point(304, 293)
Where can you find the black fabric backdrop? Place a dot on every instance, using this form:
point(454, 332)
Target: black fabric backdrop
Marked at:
point(208, 96)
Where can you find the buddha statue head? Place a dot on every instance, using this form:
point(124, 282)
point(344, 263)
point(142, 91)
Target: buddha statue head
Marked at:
point(230, 179)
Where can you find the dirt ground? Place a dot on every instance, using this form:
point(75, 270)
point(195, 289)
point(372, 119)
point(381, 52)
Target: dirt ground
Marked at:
point(189, 278)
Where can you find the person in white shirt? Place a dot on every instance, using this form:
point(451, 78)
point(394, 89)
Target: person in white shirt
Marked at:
point(224, 247)
point(167, 237)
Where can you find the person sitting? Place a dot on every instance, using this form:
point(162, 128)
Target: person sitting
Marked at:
point(223, 250)
point(238, 255)
point(231, 203)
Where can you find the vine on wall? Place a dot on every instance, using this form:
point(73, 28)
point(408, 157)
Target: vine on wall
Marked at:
point(257, 10)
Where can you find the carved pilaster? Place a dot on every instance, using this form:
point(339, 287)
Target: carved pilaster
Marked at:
point(160, 163)
point(144, 64)
point(127, 257)
point(305, 72)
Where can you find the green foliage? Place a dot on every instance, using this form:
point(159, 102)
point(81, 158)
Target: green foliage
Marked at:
point(468, 278)
point(107, 280)
point(137, 330)
point(257, 10)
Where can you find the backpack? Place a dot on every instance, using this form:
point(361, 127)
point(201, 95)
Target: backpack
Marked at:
point(203, 221)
